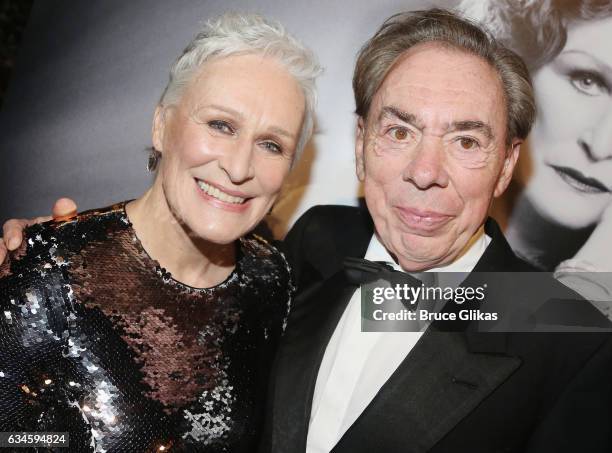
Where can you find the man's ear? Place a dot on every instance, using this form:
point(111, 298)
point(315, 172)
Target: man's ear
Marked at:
point(159, 124)
point(359, 149)
point(512, 155)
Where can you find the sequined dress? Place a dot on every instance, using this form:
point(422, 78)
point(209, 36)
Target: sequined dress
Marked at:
point(96, 339)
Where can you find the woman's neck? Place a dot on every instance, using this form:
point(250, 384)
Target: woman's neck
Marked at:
point(192, 261)
point(539, 240)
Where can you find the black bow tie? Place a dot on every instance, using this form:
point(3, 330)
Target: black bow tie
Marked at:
point(360, 271)
point(371, 274)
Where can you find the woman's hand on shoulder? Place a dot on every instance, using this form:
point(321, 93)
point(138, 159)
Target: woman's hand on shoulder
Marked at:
point(12, 230)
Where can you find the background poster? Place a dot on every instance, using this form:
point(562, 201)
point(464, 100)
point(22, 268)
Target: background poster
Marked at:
point(77, 117)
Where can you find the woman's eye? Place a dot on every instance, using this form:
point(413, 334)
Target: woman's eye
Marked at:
point(588, 83)
point(399, 133)
point(468, 144)
point(221, 126)
point(273, 147)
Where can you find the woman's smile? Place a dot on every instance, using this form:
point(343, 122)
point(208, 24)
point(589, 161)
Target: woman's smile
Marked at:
point(220, 199)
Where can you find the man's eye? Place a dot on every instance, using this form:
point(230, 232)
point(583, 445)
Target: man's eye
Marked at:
point(272, 147)
point(468, 143)
point(589, 83)
point(399, 133)
point(221, 126)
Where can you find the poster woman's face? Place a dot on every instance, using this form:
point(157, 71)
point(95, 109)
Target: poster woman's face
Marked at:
point(571, 141)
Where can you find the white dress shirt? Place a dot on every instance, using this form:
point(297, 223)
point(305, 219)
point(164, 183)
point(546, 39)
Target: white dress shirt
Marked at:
point(356, 364)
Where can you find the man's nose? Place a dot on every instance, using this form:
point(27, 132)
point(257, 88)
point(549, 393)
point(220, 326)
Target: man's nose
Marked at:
point(426, 167)
point(237, 162)
point(597, 141)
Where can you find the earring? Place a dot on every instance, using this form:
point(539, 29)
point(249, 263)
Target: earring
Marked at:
point(153, 160)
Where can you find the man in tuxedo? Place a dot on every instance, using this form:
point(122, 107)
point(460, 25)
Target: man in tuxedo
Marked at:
point(442, 110)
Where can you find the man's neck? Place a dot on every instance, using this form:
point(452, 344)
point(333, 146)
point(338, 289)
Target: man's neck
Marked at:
point(463, 262)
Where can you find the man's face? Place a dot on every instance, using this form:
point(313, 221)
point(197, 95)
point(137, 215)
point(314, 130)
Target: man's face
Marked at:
point(432, 154)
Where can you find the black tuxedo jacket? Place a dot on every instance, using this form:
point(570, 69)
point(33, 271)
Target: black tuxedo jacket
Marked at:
point(455, 391)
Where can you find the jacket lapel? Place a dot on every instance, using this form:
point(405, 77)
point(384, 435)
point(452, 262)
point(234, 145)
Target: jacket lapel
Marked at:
point(444, 378)
point(313, 319)
point(499, 256)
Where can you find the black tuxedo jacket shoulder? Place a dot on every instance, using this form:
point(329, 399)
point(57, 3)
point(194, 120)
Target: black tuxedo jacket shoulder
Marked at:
point(456, 391)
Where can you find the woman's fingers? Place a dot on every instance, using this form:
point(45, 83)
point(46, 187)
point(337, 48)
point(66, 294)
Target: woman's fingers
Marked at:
point(12, 232)
point(3, 251)
point(64, 209)
point(12, 235)
point(41, 219)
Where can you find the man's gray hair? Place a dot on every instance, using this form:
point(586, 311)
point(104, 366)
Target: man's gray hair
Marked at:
point(239, 34)
point(405, 30)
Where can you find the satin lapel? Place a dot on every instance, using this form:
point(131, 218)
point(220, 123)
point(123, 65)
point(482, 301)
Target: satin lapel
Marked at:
point(499, 257)
point(312, 321)
point(438, 385)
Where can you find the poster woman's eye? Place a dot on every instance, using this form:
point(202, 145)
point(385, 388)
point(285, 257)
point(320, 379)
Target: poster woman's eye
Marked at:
point(589, 83)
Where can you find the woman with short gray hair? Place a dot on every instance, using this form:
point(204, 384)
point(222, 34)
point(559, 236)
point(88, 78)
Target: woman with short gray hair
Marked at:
point(150, 325)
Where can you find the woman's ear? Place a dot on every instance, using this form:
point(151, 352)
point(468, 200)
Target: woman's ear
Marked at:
point(159, 124)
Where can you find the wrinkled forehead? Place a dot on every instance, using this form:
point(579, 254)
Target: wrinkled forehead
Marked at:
point(441, 85)
point(250, 84)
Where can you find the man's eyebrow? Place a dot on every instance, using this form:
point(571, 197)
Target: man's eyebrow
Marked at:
point(471, 125)
point(410, 118)
point(406, 117)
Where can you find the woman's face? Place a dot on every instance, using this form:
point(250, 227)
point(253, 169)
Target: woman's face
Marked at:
point(228, 145)
point(572, 139)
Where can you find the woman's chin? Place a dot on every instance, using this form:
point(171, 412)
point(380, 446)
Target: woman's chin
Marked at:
point(570, 216)
point(219, 236)
point(213, 223)
point(565, 206)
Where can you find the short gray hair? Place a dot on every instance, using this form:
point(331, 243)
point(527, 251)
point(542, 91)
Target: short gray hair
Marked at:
point(405, 30)
point(239, 34)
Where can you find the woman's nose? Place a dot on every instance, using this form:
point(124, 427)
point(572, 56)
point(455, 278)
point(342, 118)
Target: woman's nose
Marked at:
point(597, 141)
point(237, 162)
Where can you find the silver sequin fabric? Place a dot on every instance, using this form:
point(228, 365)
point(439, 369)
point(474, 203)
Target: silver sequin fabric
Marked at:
point(98, 340)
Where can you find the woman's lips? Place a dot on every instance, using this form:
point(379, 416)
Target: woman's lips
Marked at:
point(579, 181)
point(422, 220)
point(220, 198)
